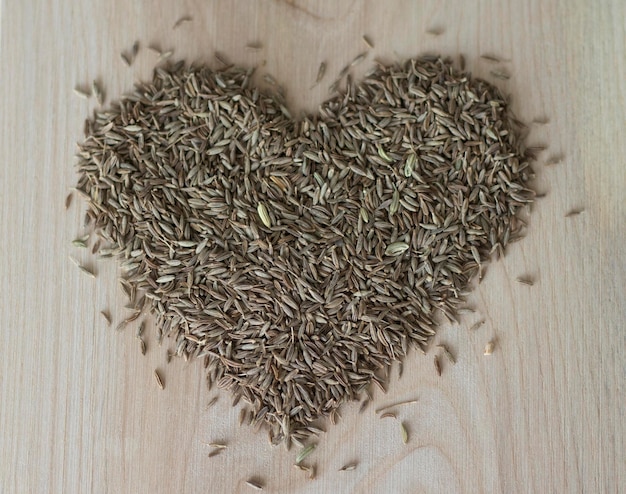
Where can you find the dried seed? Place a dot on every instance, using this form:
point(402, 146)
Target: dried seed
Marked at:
point(358, 59)
point(254, 484)
point(348, 467)
point(182, 20)
point(265, 217)
point(142, 346)
point(320, 72)
point(435, 31)
point(574, 212)
point(383, 155)
point(447, 353)
point(218, 445)
point(215, 452)
point(396, 249)
point(97, 92)
point(87, 271)
point(490, 58)
point(489, 347)
point(437, 365)
point(82, 93)
point(477, 325)
point(368, 41)
point(388, 415)
point(396, 404)
point(166, 279)
point(395, 203)
point(68, 200)
point(409, 165)
point(211, 402)
point(525, 281)
point(254, 46)
point(500, 74)
point(80, 241)
point(404, 432)
point(304, 453)
point(107, 316)
point(159, 380)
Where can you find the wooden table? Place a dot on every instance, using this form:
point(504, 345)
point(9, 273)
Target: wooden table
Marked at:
point(79, 410)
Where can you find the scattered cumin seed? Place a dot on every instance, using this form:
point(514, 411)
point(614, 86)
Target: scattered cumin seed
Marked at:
point(489, 347)
point(215, 452)
point(211, 402)
point(97, 92)
point(396, 404)
point(404, 432)
point(435, 31)
point(242, 416)
point(159, 380)
point(447, 353)
point(358, 59)
point(368, 41)
point(525, 280)
point(364, 404)
point(477, 325)
point(181, 21)
point(574, 212)
point(437, 365)
point(304, 453)
point(348, 467)
point(320, 72)
point(68, 200)
point(500, 74)
point(82, 93)
point(554, 160)
point(490, 58)
point(254, 484)
point(388, 415)
point(87, 271)
point(218, 445)
point(107, 316)
point(263, 214)
point(142, 346)
point(256, 45)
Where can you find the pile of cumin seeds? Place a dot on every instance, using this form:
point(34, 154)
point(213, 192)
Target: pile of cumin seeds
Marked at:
point(300, 258)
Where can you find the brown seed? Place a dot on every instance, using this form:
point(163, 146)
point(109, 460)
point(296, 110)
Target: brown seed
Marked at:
point(142, 346)
point(447, 353)
point(349, 467)
point(215, 452)
point(489, 347)
point(181, 21)
point(477, 325)
point(81, 93)
point(107, 316)
point(254, 484)
point(368, 41)
point(68, 200)
point(159, 380)
point(320, 72)
point(526, 280)
point(387, 415)
point(404, 432)
point(437, 365)
point(396, 404)
point(574, 212)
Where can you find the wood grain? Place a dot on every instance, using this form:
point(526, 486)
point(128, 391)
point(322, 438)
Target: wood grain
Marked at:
point(79, 408)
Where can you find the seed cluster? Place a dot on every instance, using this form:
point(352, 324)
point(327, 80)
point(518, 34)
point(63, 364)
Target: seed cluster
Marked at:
point(300, 258)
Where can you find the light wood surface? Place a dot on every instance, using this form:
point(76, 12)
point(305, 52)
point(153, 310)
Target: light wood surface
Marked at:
point(79, 409)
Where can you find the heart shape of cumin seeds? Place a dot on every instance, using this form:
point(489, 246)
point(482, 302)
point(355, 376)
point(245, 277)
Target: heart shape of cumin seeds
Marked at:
point(301, 257)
